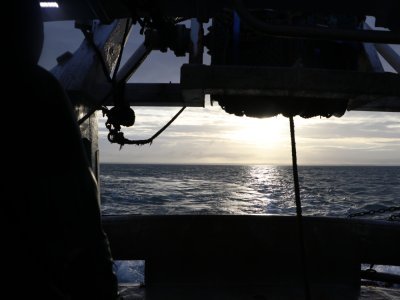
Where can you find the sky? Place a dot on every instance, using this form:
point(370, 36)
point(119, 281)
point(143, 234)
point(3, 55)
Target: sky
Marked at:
point(211, 136)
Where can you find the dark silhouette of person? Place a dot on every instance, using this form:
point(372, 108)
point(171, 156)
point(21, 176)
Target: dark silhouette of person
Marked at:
point(55, 245)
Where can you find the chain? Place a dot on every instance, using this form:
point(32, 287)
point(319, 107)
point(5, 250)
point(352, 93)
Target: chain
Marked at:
point(395, 217)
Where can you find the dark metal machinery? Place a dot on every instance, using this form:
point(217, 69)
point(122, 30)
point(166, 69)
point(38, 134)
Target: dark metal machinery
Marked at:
point(267, 58)
point(288, 60)
point(242, 49)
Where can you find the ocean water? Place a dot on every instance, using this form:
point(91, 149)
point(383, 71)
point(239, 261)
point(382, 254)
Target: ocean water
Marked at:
point(205, 189)
point(220, 189)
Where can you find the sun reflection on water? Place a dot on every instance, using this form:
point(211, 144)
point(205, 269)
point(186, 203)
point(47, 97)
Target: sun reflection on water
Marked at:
point(258, 189)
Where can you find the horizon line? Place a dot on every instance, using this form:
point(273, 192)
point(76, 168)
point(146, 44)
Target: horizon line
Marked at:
point(250, 164)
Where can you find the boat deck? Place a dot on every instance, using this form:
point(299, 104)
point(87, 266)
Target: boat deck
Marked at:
point(251, 257)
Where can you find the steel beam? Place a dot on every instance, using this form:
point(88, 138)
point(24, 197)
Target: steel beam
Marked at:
point(371, 55)
point(83, 71)
point(142, 94)
point(391, 56)
point(196, 42)
point(385, 11)
point(366, 90)
point(387, 52)
point(133, 63)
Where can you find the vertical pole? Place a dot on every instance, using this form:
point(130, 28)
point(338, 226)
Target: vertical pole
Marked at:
point(299, 218)
point(90, 139)
point(196, 39)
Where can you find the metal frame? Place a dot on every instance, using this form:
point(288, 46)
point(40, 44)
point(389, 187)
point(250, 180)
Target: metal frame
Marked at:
point(82, 76)
point(366, 91)
point(83, 72)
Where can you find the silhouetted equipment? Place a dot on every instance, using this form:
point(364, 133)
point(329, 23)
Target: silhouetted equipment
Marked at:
point(312, 62)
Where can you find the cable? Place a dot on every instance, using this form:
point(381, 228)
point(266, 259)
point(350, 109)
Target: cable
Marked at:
point(118, 137)
point(301, 32)
point(299, 216)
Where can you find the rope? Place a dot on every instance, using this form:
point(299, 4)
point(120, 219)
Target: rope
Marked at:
point(299, 210)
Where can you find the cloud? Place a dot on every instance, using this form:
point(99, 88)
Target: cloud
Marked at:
point(368, 129)
point(209, 135)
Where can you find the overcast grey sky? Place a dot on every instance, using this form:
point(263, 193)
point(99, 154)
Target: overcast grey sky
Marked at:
point(209, 135)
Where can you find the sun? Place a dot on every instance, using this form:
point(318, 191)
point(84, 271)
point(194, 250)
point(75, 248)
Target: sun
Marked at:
point(266, 132)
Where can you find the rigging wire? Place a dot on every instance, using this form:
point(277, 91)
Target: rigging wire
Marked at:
point(299, 216)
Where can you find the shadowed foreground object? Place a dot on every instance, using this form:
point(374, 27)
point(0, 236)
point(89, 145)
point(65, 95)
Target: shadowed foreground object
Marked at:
point(58, 245)
point(250, 257)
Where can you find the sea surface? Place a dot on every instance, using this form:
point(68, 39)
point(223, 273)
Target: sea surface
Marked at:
point(221, 189)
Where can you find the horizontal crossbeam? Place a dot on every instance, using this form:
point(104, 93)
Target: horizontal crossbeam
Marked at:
point(366, 91)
